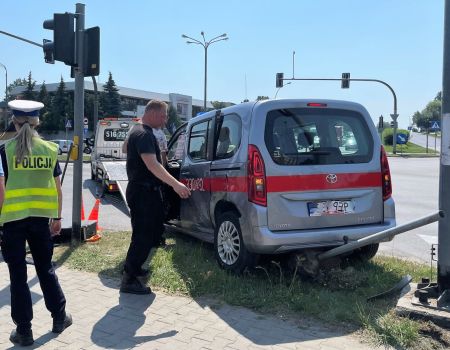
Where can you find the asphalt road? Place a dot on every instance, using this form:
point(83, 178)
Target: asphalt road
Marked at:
point(415, 191)
point(421, 140)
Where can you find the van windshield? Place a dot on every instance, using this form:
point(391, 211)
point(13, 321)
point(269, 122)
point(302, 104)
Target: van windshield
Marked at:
point(304, 136)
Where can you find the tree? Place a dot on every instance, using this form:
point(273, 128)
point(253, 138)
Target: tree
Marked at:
point(219, 104)
point(432, 111)
point(15, 83)
point(110, 99)
point(45, 98)
point(260, 98)
point(29, 93)
point(54, 119)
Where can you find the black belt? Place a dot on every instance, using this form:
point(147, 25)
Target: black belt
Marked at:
point(146, 185)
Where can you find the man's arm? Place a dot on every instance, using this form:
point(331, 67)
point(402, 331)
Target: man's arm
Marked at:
point(158, 170)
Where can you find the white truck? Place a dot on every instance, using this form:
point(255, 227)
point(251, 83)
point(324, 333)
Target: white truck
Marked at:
point(108, 162)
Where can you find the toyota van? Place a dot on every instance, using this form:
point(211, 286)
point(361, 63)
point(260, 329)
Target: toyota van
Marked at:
point(280, 176)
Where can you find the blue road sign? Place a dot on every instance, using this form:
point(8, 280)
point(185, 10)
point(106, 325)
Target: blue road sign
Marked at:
point(402, 139)
point(434, 124)
point(68, 124)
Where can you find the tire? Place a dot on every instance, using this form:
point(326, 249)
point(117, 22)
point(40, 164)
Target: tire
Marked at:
point(229, 248)
point(87, 150)
point(59, 151)
point(364, 253)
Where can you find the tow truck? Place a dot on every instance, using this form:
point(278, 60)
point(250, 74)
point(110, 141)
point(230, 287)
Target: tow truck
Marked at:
point(108, 162)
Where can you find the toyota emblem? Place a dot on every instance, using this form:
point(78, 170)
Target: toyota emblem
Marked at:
point(331, 178)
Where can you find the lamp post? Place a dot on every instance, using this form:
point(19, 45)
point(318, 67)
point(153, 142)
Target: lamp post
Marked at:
point(205, 45)
point(6, 94)
point(276, 94)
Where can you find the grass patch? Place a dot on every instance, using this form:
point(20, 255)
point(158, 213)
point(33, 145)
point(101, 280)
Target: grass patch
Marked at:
point(410, 148)
point(336, 296)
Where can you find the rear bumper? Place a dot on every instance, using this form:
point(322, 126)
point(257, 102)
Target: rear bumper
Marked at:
point(265, 241)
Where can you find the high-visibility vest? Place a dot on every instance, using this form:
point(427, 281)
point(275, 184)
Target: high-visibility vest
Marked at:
point(30, 188)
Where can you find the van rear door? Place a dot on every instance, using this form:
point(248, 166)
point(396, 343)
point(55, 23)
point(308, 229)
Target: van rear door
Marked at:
point(324, 168)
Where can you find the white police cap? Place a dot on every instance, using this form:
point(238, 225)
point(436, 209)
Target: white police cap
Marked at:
point(25, 108)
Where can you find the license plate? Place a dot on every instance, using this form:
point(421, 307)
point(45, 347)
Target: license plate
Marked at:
point(331, 208)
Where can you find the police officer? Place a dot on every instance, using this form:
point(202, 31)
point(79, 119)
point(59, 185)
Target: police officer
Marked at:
point(145, 176)
point(31, 212)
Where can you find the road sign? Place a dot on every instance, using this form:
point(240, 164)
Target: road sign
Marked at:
point(85, 121)
point(434, 124)
point(68, 124)
point(402, 139)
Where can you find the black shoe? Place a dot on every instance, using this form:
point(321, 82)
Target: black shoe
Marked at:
point(23, 339)
point(133, 285)
point(60, 325)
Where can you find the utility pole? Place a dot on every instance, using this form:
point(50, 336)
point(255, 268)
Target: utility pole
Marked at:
point(78, 122)
point(444, 174)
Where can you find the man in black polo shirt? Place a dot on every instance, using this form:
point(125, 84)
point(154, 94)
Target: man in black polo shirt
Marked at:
point(145, 176)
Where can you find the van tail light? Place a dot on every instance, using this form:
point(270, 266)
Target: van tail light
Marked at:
point(256, 177)
point(386, 181)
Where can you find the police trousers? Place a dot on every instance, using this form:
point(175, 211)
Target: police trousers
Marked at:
point(147, 224)
point(36, 232)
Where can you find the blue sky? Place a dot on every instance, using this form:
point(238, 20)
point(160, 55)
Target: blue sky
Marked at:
point(398, 41)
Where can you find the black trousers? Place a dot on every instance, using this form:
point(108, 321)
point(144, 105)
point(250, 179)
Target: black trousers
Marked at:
point(147, 223)
point(36, 232)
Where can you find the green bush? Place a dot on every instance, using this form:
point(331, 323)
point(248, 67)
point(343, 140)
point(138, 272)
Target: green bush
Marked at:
point(387, 135)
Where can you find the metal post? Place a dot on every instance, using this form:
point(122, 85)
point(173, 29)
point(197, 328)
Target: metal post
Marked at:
point(95, 105)
point(206, 68)
point(444, 174)
point(6, 95)
point(78, 123)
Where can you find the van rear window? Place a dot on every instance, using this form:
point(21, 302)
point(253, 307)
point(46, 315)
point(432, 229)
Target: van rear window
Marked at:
point(116, 134)
point(304, 136)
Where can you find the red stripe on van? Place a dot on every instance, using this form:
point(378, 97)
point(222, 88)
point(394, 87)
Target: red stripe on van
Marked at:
point(291, 183)
point(318, 182)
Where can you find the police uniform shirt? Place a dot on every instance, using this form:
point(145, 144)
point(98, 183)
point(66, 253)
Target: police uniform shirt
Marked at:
point(56, 171)
point(141, 140)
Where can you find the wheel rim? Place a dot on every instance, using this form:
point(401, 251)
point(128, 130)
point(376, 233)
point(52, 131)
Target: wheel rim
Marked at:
point(228, 243)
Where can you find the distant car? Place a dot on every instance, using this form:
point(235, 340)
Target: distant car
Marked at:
point(64, 145)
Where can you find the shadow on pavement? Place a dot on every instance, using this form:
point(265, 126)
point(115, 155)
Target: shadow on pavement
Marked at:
point(118, 328)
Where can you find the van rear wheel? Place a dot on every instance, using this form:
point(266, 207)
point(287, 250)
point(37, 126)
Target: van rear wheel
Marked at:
point(229, 247)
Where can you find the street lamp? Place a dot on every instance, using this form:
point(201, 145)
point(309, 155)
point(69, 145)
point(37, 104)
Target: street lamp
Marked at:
point(6, 94)
point(290, 82)
point(205, 45)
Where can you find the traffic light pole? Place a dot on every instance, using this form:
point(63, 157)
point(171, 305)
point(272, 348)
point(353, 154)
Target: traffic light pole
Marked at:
point(394, 116)
point(444, 174)
point(78, 123)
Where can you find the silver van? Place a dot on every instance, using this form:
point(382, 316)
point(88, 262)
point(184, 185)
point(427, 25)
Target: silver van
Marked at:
point(280, 176)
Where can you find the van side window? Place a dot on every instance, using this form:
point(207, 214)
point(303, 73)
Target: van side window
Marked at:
point(198, 139)
point(229, 137)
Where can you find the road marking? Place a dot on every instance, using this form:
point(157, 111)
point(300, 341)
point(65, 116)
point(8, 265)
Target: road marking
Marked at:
point(429, 239)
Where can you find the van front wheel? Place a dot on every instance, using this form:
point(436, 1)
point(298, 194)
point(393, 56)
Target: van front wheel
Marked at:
point(229, 248)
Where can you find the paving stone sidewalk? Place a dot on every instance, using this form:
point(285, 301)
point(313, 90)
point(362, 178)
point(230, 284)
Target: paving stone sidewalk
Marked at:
point(106, 319)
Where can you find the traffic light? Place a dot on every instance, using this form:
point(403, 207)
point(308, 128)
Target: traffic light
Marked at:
point(381, 123)
point(279, 80)
point(91, 64)
point(62, 48)
point(345, 83)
